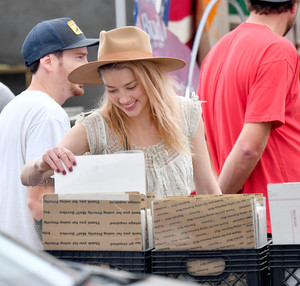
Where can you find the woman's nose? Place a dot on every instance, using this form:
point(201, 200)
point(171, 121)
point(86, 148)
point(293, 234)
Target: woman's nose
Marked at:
point(124, 98)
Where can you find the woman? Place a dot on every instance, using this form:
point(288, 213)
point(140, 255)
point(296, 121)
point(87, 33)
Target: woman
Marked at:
point(140, 111)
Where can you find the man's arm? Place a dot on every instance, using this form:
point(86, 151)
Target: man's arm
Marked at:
point(35, 201)
point(244, 156)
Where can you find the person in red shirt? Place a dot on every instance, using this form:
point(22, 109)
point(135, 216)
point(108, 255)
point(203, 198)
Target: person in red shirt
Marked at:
point(250, 82)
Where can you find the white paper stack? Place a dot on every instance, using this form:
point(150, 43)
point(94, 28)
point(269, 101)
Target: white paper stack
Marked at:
point(113, 173)
point(284, 203)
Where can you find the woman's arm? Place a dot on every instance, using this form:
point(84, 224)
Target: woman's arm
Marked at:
point(204, 179)
point(74, 143)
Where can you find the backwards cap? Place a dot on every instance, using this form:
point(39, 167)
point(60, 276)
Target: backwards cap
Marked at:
point(51, 36)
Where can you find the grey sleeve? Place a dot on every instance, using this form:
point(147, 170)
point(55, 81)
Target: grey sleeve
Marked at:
point(6, 95)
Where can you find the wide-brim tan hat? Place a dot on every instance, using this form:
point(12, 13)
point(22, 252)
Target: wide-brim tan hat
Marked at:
point(121, 45)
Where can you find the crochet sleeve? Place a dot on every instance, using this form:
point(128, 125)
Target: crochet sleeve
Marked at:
point(96, 132)
point(191, 108)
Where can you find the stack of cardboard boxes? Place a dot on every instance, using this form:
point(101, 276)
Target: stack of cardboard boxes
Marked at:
point(123, 222)
point(124, 219)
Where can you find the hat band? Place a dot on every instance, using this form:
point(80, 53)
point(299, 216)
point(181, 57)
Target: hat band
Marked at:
point(126, 55)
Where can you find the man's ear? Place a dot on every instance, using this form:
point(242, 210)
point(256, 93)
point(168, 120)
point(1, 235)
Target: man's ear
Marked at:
point(46, 62)
point(294, 9)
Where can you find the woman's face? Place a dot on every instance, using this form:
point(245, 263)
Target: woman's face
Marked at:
point(125, 92)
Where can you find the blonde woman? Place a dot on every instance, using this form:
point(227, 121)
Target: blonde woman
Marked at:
point(140, 111)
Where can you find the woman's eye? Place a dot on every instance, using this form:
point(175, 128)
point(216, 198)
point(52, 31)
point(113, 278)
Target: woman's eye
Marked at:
point(132, 87)
point(111, 91)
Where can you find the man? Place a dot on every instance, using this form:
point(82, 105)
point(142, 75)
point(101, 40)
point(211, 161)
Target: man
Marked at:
point(34, 121)
point(6, 95)
point(252, 114)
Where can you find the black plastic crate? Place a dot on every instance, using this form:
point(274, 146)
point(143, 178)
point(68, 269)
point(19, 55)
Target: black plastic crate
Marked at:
point(239, 266)
point(132, 261)
point(285, 264)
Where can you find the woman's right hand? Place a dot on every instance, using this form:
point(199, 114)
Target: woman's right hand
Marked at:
point(54, 159)
point(58, 159)
point(36, 171)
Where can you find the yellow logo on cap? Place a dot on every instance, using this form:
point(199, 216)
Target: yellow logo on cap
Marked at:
point(74, 27)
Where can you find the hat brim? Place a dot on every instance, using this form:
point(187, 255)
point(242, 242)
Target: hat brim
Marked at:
point(88, 73)
point(83, 43)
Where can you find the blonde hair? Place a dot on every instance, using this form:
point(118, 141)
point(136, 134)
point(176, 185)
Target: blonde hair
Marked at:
point(164, 103)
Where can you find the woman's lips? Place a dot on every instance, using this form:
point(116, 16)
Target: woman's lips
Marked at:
point(129, 106)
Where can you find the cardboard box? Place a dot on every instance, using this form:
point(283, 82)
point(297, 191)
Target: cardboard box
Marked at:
point(93, 222)
point(208, 222)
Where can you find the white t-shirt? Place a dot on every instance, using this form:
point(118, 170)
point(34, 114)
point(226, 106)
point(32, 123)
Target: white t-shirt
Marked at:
point(29, 125)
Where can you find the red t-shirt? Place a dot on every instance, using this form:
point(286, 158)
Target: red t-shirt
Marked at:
point(252, 75)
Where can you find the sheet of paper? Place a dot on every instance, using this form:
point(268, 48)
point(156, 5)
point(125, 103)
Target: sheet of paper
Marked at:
point(150, 229)
point(284, 203)
point(260, 223)
point(111, 173)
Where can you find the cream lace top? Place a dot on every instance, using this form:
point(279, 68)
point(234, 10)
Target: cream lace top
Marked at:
point(168, 173)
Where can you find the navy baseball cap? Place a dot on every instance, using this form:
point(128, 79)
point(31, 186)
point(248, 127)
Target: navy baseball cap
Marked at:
point(51, 36)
